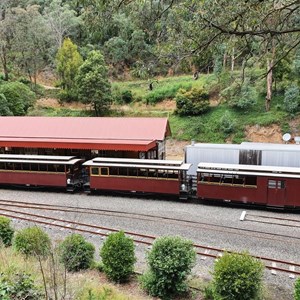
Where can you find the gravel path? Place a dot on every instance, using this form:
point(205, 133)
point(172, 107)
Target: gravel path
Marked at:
point(283, 248)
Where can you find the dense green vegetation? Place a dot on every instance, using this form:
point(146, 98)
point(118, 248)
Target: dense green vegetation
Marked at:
point(38, 271)
point(252, 49)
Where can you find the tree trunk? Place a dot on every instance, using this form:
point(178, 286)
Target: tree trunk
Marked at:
point(270, 64)
point(4, 64)
point(243, 70)
point(232, 60)
point(224, 61)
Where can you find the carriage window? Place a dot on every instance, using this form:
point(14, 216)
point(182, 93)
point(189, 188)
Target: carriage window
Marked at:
point(238, 180)
point(34, 167)
point(123, 171)
point(61, 168)
point(43, 167)
point(57, 168)
point(227, 179)
point(142, 172)
point(26, 166)
point(17, 166)
point(272, 184)
point(152, 173)
point(113, 171)
point(104, 171)
point(251, 180)
point(95, 171)
point(216, 178)
point(132, 172)
point(2, 166)
point(281, 184)
point(172, 174)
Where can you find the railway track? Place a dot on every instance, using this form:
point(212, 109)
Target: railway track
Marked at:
point(292, 268)
point(263, 235)
point(286, 222)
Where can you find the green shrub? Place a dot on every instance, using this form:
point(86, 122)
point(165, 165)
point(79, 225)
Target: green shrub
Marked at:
point(19, 97)
point(118, 257)
point(19, 287)
point(32, 241)
point(170, 262)
point(227, 124)
point(166, 92)
point(4, 107)
point(6, 231)
point(292, 99)
point(231, 91)
point(193, 102)
point(126, 96)
point(67, 95)
point(242, 97)
point(237, 276)
point(76, 253)
point(297, 290)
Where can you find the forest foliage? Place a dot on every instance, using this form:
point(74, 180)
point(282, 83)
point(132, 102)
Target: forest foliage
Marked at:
point(252, 49)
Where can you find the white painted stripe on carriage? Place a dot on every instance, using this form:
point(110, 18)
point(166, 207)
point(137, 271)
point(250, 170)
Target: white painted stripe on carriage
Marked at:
point(292, 268)
point(243, 215)
point(273, 272)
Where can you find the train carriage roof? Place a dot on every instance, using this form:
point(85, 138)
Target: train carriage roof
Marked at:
point(236, 169)
point(138, 164)
point(138, 161)
point(39, 159)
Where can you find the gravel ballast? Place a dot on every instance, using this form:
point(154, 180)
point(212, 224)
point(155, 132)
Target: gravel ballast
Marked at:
point(281, 248)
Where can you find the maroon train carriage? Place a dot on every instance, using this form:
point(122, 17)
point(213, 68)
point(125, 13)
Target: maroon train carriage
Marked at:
point(167, 177)
point(264, 185)
point(40, 170)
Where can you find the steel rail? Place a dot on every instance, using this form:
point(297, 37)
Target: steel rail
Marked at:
point(138, 235)
point(131, 216)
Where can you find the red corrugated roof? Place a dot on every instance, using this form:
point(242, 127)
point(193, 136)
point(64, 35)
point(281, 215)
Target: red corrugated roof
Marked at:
point(136, 134)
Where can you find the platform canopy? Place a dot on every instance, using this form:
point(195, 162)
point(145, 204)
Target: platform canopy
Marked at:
point(125, 134)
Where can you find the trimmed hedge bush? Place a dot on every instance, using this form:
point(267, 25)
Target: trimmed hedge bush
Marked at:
point(237, 276)
point(76, 253)
point(118, 257)
point(170, 260)
point(6, 231)
point(32, 241)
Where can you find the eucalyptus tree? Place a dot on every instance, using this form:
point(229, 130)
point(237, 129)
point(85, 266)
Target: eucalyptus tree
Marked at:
point(31, 41)
point(62, 21)
point(6, 34)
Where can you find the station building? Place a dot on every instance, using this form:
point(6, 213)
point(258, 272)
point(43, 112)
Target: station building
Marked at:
point(85, 137)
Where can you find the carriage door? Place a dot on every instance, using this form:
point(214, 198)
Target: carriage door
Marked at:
point(276, 192)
